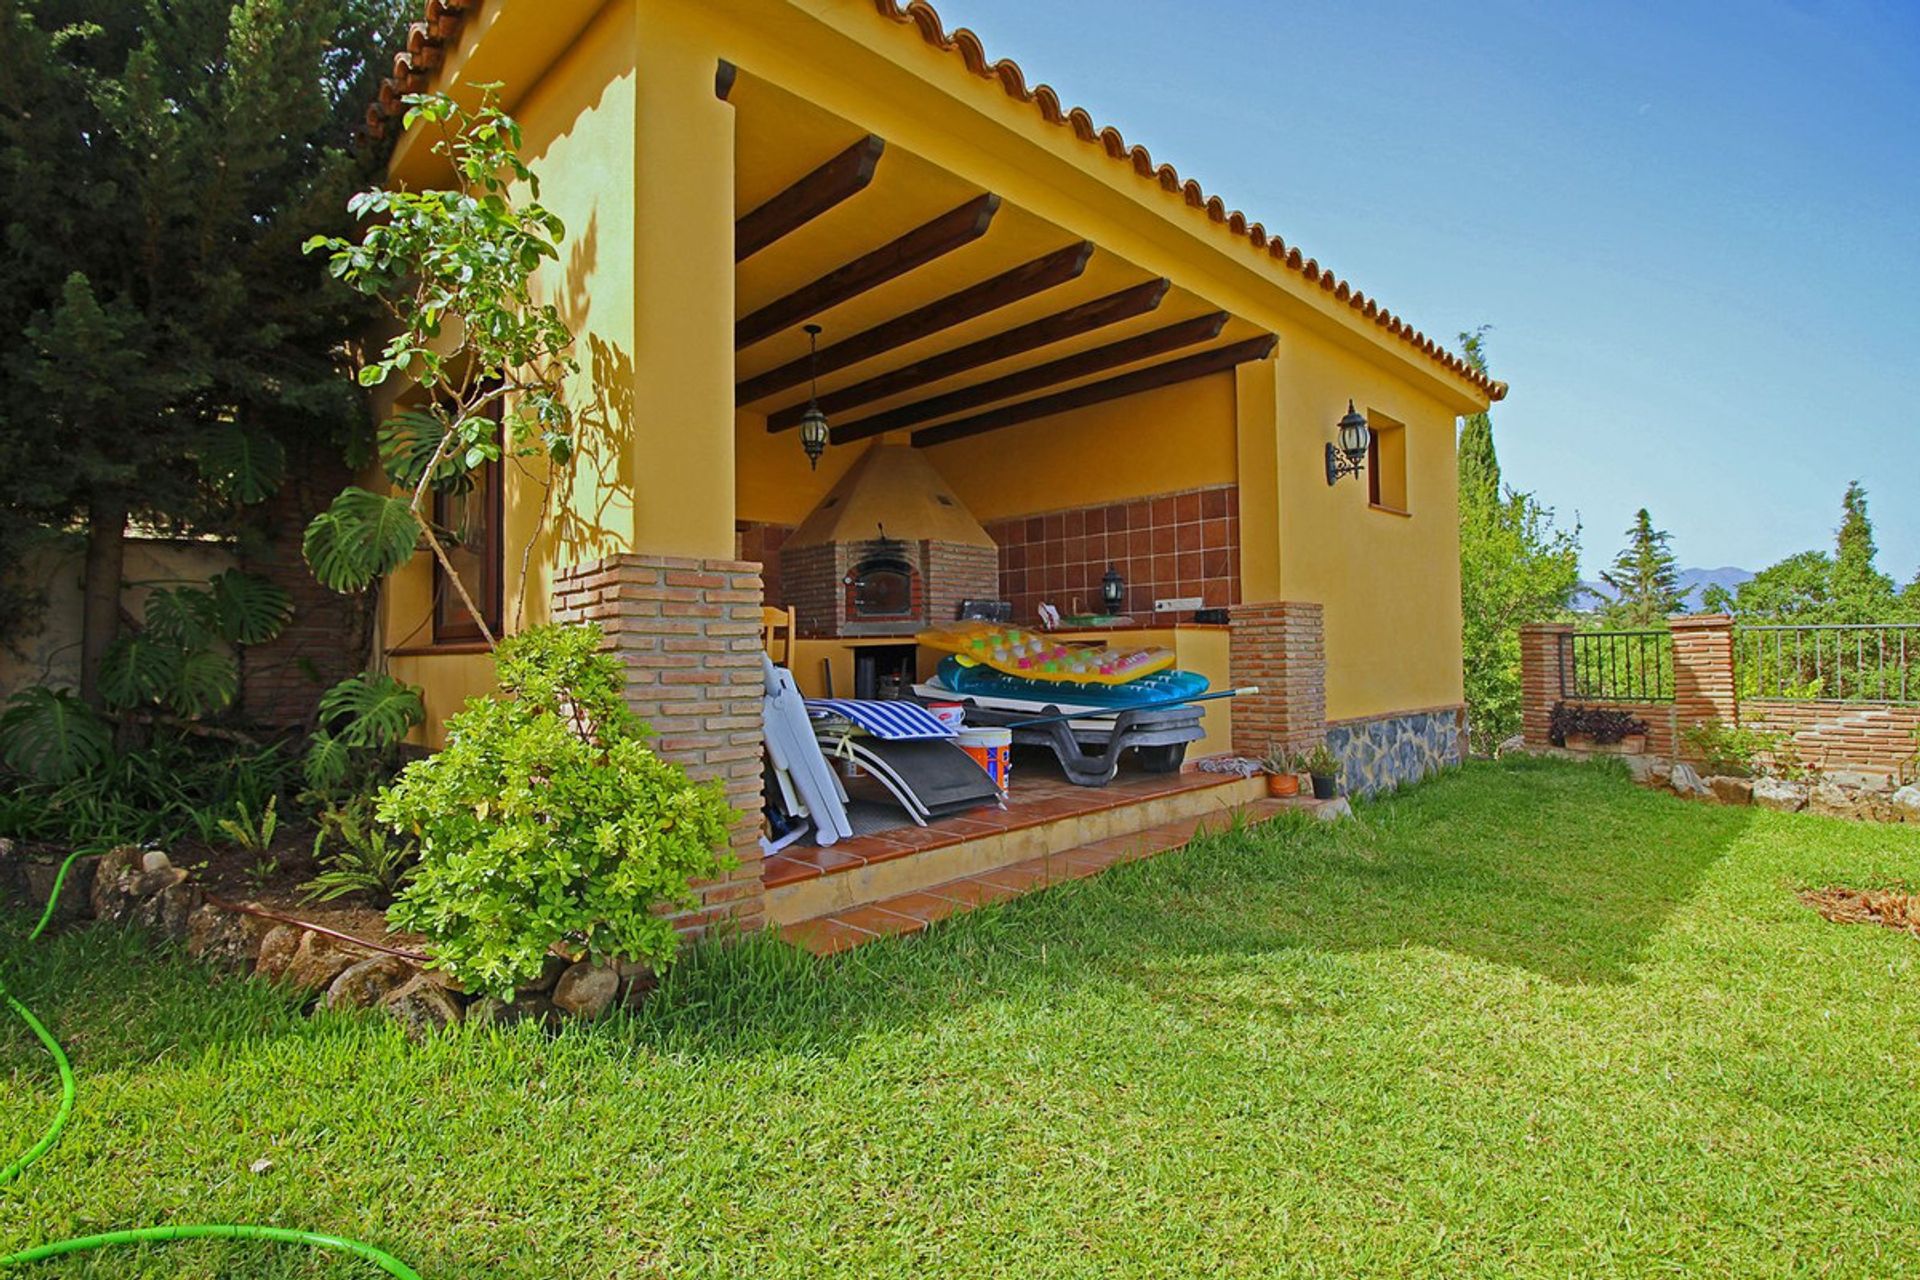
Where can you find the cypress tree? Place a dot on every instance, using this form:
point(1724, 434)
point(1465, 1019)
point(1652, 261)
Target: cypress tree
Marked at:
point(1479, 464)
point(1644, 577)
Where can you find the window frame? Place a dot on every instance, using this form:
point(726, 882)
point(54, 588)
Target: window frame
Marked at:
point(1374, 500)
point(453, 624)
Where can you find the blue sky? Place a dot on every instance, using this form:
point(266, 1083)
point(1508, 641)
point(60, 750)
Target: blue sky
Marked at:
point(1694, 227)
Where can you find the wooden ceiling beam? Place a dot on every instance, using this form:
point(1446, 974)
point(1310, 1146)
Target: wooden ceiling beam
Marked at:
point(1185, 369)
point(935, 239)
point(1136, 300)
point(1024, 281)
point(836, 181)
point(1127, 351)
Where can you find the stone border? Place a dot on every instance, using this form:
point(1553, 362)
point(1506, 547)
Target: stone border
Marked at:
point(132, 886)
point(1862, 797)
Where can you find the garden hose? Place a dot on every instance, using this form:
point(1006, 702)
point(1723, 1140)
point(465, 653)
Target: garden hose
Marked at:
point(145, 1235)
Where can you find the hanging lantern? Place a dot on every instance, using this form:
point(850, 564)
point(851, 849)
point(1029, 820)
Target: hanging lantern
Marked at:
point(1113, 590)
point(813, 423)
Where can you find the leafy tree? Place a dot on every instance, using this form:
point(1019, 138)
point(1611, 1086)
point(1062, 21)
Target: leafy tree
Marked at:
point(1515, 568)
point(1813, 586)
point(453, 269)
point(160, 335)
point(1645, 578)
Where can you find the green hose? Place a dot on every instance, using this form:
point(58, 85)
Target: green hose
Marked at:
point(145, 1235)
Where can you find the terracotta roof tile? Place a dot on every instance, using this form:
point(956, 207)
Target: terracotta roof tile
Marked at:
point(426, 42)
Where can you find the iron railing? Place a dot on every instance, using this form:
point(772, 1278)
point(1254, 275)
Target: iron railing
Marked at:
point(1616, 666)
point(1864, 662)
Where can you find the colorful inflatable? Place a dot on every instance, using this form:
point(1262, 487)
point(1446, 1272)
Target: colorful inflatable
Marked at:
point(1036, 656)
point(965, 680)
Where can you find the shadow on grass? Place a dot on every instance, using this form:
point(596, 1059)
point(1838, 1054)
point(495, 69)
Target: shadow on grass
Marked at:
point(1564, 871)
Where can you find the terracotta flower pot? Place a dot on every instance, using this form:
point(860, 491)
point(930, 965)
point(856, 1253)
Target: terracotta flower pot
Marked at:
point(1580, 742)
point(1634, 744)
point(1282, 785)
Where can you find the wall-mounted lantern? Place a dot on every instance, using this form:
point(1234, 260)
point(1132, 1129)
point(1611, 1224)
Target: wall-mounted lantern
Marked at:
point(1349, 457)
point(1113, 590)
point(813, 423)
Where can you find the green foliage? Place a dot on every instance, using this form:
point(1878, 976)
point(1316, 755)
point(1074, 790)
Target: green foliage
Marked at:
point(363, 720)
point(547, 821)
point(456, 262)
point(1735, 750)
point(173, 787)
point(1477, 460)
point(182, 660)
point(1321, 762)
point(50, 736)
point(1645, 578)
point(1516, 567)
point(1812, 586)
point(360, 538)
point(163, 344)
point(358, 855)
point(251, 833)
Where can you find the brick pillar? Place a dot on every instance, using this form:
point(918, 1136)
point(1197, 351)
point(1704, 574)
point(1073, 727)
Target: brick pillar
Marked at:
point(1703, 687)
point(1541, 655)
point(1281, 648)
point(689, 633)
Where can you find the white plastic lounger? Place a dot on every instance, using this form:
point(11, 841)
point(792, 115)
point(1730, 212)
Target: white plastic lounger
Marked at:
point(796, 753)
point(930, 778)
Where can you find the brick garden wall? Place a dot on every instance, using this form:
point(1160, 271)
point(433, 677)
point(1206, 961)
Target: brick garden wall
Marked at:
point(1279, 647)
point(1863, 736)
point(689, 634)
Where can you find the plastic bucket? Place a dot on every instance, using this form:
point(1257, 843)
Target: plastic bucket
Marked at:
point(950, 714)
point(991, 749)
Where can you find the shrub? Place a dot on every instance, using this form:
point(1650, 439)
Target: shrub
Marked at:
point(547, 821)
point(1736, 750)
point(1320, 762)
point(1603, 724)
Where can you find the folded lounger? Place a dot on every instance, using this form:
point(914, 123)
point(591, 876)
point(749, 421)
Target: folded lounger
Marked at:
point(908, 750)
point(797, 760)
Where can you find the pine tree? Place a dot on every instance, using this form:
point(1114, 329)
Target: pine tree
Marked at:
point(161, 335)
point(1515, 568)
point(1644, 577)
point(1859, 591)
point(1479, 464)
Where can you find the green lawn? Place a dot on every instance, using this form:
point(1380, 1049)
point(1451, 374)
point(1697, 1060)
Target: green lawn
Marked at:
point(1526, 1020)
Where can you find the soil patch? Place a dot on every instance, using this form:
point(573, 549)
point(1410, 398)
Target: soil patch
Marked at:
point(1890, 907)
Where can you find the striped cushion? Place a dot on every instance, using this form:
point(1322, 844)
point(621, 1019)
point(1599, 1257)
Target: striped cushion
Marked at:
point(890, 721)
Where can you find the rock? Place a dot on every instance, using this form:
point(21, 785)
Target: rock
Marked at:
point(1333, 810)
point(1649, 771)
point(1836, 801)
point(1779, 794)
point(1852, 780)
point(528, 1006)
point(422, 1007)
point(1512, 746)
point(585, 990)
point(155, 860)
point(276, 952)
point(550, 972)
point(1731, 790)
point(168, 911)
point(76, 891)
point(1686, 781)
point(366, 983)
point(227, 940)
point(113, 891)
point(1906, 803)
point(317, 961)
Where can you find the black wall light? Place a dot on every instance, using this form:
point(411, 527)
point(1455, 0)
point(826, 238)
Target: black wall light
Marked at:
point(1349, 457)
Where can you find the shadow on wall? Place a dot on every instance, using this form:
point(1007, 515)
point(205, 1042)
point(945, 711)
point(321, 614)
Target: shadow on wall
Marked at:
point(593, 498)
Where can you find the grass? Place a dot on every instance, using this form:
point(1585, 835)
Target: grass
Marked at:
point(1525, 1020)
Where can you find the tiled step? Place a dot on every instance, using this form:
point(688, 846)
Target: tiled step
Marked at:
point(1045, 819)
point(913, 911)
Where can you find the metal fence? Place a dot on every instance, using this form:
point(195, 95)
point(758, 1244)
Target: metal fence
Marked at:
point(1617, 666)
point(1868, 662)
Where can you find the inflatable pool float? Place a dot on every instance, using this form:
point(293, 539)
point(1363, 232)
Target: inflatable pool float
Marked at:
point(1036, 656)
point(1163, 688)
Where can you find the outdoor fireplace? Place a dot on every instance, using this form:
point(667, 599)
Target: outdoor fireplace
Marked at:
point(889, 550)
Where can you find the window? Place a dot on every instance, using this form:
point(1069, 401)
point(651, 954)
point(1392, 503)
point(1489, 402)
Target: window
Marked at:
point(1387, 465)
point(470, 524)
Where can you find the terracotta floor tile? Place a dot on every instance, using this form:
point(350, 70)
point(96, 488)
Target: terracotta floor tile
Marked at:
point(825, 936)
point(921, 906)
point(973, 892)
point(1090, 859)
point(877, 919)
point(1021, 877)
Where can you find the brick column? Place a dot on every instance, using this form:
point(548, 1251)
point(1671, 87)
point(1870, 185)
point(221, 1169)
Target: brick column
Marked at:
point(1280, 647)
point(1540, 677)
point(1703, 686)
point(689, 633)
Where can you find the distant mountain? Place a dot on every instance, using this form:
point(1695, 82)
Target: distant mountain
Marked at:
point(1592, 595)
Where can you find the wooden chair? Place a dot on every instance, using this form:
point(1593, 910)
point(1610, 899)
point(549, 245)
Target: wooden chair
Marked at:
point(777, 632)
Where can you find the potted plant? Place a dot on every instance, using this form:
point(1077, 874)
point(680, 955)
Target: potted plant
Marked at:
point(1324, 767)
point(1283, 773)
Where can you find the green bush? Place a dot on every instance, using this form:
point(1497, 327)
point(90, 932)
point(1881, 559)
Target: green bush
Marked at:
point(547, 821)
point(1738, 751)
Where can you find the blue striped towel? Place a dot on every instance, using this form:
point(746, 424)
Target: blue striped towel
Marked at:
point(890, 721)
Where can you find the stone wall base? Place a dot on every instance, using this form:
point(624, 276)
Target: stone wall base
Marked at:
point(1379, 753)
